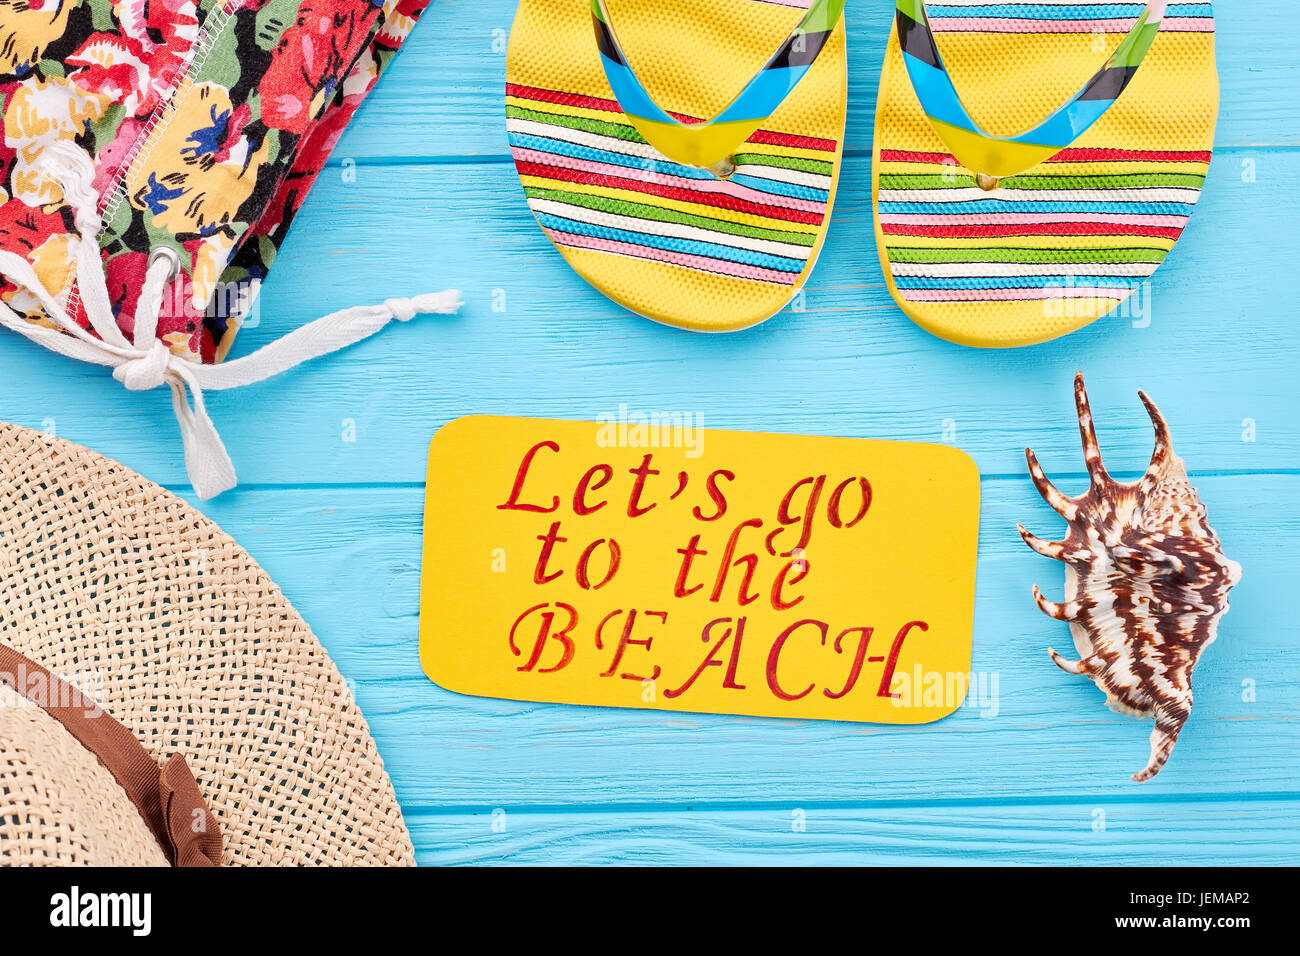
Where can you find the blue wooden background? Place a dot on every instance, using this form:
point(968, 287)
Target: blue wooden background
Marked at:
point(421, 195)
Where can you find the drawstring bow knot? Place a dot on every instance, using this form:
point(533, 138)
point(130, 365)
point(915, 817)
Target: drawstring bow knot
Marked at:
point(144, 362)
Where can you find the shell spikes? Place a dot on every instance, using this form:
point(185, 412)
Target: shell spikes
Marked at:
point(1146, 581)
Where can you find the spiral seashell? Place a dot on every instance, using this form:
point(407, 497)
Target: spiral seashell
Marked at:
point(1146, 581)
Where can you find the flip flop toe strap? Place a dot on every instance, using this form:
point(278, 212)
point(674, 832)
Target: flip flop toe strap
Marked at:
point(709, 144)
point(995, 157)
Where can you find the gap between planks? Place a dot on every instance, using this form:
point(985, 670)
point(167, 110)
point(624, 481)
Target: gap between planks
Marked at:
point(1063, 476)
point(1106, 798)
point(337, 160)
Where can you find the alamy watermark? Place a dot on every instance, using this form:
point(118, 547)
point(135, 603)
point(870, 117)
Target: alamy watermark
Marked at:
point(949, 689)
point(1078, 299)
point(229, 300)
point(36, 687)
point(634, 429)
point(78, 908)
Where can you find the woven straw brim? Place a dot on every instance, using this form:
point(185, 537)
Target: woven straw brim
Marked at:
point(122, 589)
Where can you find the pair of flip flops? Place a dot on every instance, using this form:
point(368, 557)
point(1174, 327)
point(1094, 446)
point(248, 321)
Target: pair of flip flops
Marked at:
point(692, 180)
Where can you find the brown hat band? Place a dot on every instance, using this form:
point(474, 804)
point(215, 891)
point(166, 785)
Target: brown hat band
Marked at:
point(168, 799)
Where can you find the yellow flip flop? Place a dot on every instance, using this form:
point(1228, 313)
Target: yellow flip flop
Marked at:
point(679, 165)
point(1046, 191)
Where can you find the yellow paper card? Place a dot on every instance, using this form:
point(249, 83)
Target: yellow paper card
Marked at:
point(656, 565)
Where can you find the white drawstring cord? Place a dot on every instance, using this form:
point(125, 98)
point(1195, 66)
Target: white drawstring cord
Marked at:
point(147, 363)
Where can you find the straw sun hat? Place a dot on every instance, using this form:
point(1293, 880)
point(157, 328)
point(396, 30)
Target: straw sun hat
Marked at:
point(160, 701)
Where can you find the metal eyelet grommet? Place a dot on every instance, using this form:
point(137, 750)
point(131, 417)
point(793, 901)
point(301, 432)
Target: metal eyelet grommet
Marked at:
point(168, 255)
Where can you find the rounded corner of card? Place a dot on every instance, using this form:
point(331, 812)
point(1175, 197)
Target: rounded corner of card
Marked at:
point(964, 464)
point(433, 663)
point(944, 714)
point(451, 430)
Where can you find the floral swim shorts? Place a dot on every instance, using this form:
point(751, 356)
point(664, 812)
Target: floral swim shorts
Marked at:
point(206, 123)
point(155, 153)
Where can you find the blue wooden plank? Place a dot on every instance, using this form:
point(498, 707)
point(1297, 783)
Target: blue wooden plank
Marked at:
point(1208, 833)
point(1218, 354)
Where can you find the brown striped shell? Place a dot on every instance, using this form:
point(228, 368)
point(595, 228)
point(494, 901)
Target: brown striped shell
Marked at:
point(1146, 581)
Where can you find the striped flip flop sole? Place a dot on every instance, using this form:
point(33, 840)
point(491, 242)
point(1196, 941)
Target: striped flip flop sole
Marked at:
point(669, 241)
point(1070, 240)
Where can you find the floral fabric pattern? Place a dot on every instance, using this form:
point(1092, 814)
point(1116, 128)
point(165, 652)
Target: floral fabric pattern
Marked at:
point(207, 123)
